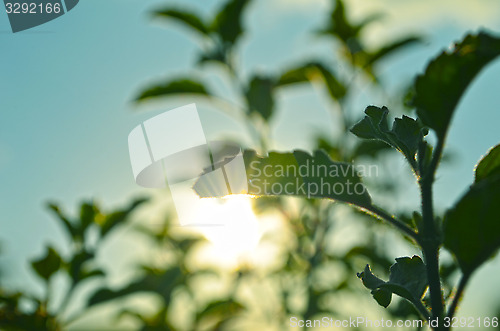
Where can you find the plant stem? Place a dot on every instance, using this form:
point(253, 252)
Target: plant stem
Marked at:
point(382, 214)
point(458, 295)
point(430, 235)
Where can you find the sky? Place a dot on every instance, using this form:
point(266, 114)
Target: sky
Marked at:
point(66, 92)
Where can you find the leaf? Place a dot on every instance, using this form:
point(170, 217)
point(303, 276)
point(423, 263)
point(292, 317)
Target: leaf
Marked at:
point(188, 18)
point(390, 48)
point(311, 71)
point(259, 96)
point(118, 217)
point(339, 25)
point(405, 135)
point(179, 86)
point(408, 279)
point(472, 226)
point(88, 212)
point(160, 283)
point(46, 266)
point(300, 174)
point(221, 309)
point(227, 23)
point(439, 89)
point(68, 226)
point(489, 165)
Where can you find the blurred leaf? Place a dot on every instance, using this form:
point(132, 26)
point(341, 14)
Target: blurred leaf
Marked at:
point(405, 135)
point(301, 174)
point(88, 212)
point(391, 48)
point(472, 227)
point(309, 72)
point(408, 279)
point(188, 18)
point(75, 265)
point(221, 309)
point(162, 283)
point(216, 55)
point(118, 217)
point(340, 27)
point(179, 86)
point(46, 266)
point(370, 148)
point(68, 226)
point(259, 96)
point(440, 88)
point(227, 23)
point(489, 165)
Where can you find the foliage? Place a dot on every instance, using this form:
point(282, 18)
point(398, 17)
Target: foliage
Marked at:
point(469, 229)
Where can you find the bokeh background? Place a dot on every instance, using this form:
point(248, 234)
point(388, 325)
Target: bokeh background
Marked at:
point(66, 100)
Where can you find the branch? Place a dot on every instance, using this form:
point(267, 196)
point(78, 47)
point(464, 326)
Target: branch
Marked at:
point(383, 215)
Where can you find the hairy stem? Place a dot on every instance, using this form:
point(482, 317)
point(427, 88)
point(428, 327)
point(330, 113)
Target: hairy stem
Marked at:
point(382, 214)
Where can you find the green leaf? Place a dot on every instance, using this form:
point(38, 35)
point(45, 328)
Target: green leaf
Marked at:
point(390, 48)
point(408, 279)
point(71, 230)
point(221, 309)
point(439, 89)
point(162, 283)
point(227, 23)
point(310, 72)
point(188, 18)
point(339, 26)
point(472, 226)
point(259, 96)
point(300, 174)
point(118, 217)
point(46, 266)
point(405, 135)
point(179, 86)
point(88, 212)
point(489, 165)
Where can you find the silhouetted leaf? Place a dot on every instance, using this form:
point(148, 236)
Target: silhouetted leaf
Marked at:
point(439, 89)
point(489, 165)
point(179, 86)
point(227, 23)
point(405, 135)
point(46, 266)
point(408, 279)
point(188, 18)
point(259, 96)
point(472, 226)
point(304, 175)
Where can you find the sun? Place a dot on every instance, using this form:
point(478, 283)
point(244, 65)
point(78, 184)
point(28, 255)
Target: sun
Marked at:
point(237, 234)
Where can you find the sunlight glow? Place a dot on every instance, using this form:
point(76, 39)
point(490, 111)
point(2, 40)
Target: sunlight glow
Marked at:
point(239, 233)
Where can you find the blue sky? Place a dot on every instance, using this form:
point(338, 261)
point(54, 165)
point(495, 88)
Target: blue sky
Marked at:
point(66, 89)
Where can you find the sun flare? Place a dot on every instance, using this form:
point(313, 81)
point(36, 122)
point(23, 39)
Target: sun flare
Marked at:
point(238, 233)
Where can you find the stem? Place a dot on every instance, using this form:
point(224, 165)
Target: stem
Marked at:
point(382, 214)
point(424, 313)
point(430, 235)
point(458, 295)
